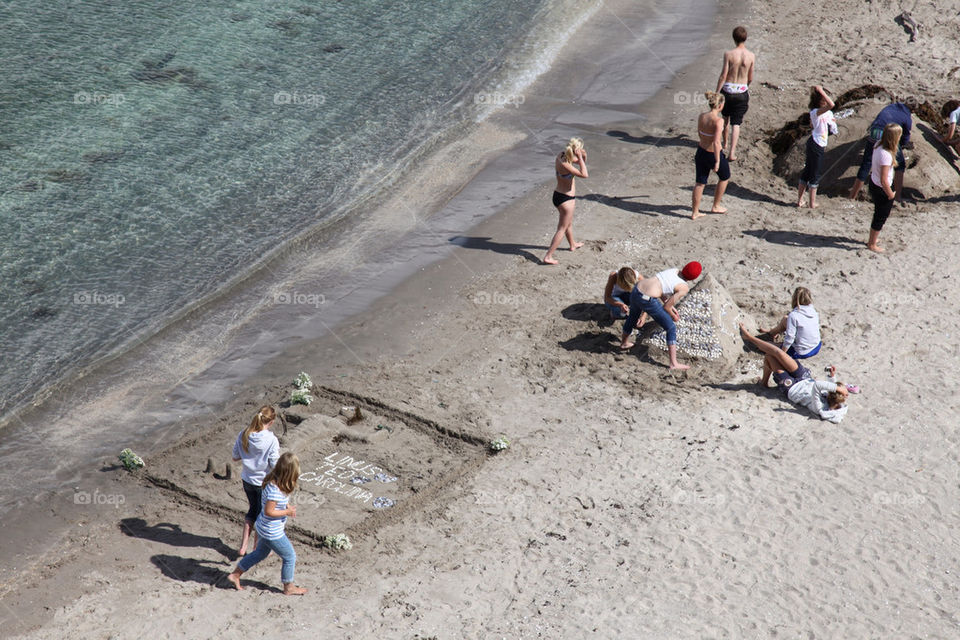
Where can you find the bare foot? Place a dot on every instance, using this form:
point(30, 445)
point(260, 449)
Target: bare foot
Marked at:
point(291, 589)
point(718, 210)
point(626, 346)
point(679, 367)
point(696, 215)
point(235, 579)
point(731, 159)
point(875, 247)
point(576, 246)
point(799, 203)
point(550, 261)
point(814, 206)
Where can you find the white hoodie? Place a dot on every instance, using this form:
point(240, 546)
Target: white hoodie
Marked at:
point(262, 456)
point(803, 329)
point(812, 393)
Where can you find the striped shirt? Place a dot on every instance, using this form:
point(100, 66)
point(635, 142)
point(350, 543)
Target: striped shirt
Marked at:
point(267, 527)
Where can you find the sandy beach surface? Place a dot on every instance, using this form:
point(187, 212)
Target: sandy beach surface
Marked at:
point(633, 502)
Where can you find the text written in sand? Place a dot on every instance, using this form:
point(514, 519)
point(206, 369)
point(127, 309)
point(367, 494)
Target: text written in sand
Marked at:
point(337, 471)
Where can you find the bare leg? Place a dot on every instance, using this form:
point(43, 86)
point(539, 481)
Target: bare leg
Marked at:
point(697, 195)
point(872, 243)
point(245, 537)
point(813, 197)
point(235, 578)
point(800, 190)
point(290, 589)
point(721, 189)
point(723, 136)
point(565, 220)
point(672, 350)
point(573, 245)
point(767, 370)
point(734, 136)
point(855, 191)
point(778, 357)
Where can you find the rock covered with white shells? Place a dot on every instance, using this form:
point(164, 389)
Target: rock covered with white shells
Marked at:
point(708, 328)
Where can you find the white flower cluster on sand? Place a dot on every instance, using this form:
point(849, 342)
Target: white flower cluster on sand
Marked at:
point(130, 460)
point(337, 542)
point(499, 444)
point(301, 395)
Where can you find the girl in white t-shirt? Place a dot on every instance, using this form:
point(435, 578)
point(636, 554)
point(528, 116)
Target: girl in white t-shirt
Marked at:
point(951, 111)
point(823, 123)
point(881, 173)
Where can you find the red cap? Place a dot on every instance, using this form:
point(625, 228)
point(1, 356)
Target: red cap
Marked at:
point(691, 271)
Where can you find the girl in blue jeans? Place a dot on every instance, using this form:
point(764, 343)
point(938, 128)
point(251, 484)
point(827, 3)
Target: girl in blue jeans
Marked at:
point(277, 487)
point(657, 297)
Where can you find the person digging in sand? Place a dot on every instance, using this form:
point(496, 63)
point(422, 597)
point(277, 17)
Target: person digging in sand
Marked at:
point(657, 296)
point(823, 123)
point(277, 487)
point(827, 399)
point(710, 155)
point(570, 164)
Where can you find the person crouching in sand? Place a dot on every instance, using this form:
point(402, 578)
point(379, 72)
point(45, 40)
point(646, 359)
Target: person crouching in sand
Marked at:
point(710, 155)
point(570, 164)
point(277, 487)
point(825, 398)
point(657, 296)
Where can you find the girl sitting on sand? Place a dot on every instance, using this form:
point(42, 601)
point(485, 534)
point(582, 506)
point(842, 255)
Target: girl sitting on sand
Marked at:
point(800, 328)
point(657, 297)
point(616, 295)
point(258, 449)
point(710, 155)
point(571, 163)
point(826, 399)
point(881, 172)
point(277, 487)
point(823, 123)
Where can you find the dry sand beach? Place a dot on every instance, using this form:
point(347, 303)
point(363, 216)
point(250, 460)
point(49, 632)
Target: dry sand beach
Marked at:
point(633, 502)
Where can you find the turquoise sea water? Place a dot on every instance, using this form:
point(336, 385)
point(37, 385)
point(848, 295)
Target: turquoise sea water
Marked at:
point(152, 152)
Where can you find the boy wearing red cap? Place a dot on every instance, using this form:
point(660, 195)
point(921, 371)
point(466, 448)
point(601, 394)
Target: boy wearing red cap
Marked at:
point(658, 297)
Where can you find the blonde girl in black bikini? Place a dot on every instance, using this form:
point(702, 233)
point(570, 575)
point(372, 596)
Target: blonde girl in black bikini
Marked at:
point(566, 166)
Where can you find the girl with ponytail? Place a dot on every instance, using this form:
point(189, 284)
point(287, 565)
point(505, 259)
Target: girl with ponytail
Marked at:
point(258, 449)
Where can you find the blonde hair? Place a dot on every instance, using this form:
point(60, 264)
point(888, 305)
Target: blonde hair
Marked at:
point(285, 473)
point(801, 296)
point(890, 140)
point(714, 99)
point(626, 278)
point(570, 151)
point(264, 416)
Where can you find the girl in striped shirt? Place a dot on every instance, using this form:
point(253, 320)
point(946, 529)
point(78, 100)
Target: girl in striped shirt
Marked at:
point(277, 487)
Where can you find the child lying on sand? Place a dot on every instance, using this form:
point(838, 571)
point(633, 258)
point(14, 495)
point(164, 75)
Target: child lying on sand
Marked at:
point(826, 399)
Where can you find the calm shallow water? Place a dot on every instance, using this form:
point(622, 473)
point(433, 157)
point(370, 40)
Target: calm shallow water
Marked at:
point(152, 154)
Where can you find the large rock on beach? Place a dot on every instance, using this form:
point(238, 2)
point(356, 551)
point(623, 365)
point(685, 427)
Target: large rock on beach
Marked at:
point(708, 328)
point(932, 169)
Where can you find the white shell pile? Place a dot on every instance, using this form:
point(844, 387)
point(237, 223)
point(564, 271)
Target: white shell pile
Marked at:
point(696, 335)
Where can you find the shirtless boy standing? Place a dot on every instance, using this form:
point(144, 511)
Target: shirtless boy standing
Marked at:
point(734, 82)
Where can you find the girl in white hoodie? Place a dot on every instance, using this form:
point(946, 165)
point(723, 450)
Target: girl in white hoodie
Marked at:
point(800, 328)
point(259, 450)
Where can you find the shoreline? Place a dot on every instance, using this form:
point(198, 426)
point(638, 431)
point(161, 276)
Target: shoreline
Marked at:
point(502, 129)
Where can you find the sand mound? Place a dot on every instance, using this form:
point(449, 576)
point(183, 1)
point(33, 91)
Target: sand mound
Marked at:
point(931, 169)
point(708, 328)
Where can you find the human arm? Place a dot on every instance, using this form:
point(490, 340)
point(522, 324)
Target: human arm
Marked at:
point(237, 456)
point(885, 171)
point(608, 294)
point(671, 302)
point(723, 72)
point(573, 169)
point(270, 508)
point(790, 332)
point(948, 139)
point(827, 102)
point(717, 142)
point(750, 71)
point(274, 454)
